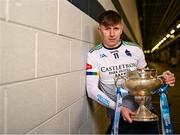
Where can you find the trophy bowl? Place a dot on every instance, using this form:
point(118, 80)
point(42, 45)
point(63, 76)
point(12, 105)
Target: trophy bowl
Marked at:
point(141, 83)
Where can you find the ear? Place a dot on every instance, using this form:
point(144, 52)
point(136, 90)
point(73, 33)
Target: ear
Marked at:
point(99, 30)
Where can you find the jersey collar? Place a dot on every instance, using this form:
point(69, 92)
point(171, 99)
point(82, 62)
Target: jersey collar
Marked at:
point(120, 43)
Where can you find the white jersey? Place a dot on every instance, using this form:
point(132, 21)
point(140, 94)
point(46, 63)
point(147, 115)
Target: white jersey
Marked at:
point(103, 64)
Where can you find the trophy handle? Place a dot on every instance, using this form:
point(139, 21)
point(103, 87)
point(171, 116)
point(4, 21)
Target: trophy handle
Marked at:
point(116, 78)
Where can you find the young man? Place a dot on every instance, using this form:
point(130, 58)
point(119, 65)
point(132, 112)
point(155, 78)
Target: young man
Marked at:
point(111, 58)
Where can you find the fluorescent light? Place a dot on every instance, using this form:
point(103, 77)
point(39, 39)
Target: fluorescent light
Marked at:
point(161, 41)
point(168, 35)
point(178, 26)
point(155, 47)
point(164, 38)
point(147, 51)
point(172, 31)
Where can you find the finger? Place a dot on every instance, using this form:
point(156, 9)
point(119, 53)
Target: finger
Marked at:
point(170, 76)
point(129, 119)
point(125, 119)
point(172, 85)
point(167, 72)
point(170, 81)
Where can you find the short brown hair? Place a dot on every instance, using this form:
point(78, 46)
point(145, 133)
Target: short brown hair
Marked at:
point(109, 17)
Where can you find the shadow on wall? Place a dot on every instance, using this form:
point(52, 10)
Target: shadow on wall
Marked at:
point(99, 122)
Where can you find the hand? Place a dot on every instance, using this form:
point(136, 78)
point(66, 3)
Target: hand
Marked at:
point(126, 114)
point(169, 78)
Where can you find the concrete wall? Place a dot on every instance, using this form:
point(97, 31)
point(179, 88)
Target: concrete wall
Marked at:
point(43, 47)
point(130, 9)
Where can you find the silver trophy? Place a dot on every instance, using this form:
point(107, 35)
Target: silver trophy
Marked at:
point(141, 83)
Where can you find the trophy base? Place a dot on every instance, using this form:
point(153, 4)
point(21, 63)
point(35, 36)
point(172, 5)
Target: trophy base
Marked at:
point(143, 114)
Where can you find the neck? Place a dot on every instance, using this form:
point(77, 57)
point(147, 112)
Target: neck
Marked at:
point(112, 47)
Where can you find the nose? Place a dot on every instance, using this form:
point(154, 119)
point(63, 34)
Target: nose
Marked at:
point(111, 32)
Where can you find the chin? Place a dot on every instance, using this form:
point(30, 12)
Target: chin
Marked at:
point(113, 44)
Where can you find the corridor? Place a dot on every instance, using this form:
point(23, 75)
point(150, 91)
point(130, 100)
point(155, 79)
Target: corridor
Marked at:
point(173, 94)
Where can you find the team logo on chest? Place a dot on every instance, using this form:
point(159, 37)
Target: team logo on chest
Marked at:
point(128, 53)
point(102, 55)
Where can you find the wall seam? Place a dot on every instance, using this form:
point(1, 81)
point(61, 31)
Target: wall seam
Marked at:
point(36, 54)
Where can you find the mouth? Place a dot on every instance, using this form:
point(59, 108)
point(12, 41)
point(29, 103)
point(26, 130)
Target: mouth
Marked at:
point(112, 39)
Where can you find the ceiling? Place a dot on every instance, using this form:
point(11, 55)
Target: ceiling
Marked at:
point(157, 18)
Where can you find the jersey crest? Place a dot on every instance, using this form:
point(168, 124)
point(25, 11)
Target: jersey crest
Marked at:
point(128, 53)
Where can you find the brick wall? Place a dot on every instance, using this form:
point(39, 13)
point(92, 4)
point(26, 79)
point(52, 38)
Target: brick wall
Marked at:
point(43, 47)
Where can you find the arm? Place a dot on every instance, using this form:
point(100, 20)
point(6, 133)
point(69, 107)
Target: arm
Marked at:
point(92, 80)
point(96, 94)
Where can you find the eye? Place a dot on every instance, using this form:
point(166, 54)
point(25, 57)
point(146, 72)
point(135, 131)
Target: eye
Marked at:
point(116, 28)
point(107, 28)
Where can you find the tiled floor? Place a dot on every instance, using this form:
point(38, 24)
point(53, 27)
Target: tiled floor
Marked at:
point(173, 94)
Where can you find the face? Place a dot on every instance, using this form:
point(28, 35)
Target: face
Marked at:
point(111, 34)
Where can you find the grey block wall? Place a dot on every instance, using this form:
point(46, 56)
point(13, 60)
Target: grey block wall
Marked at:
point(43, 47)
